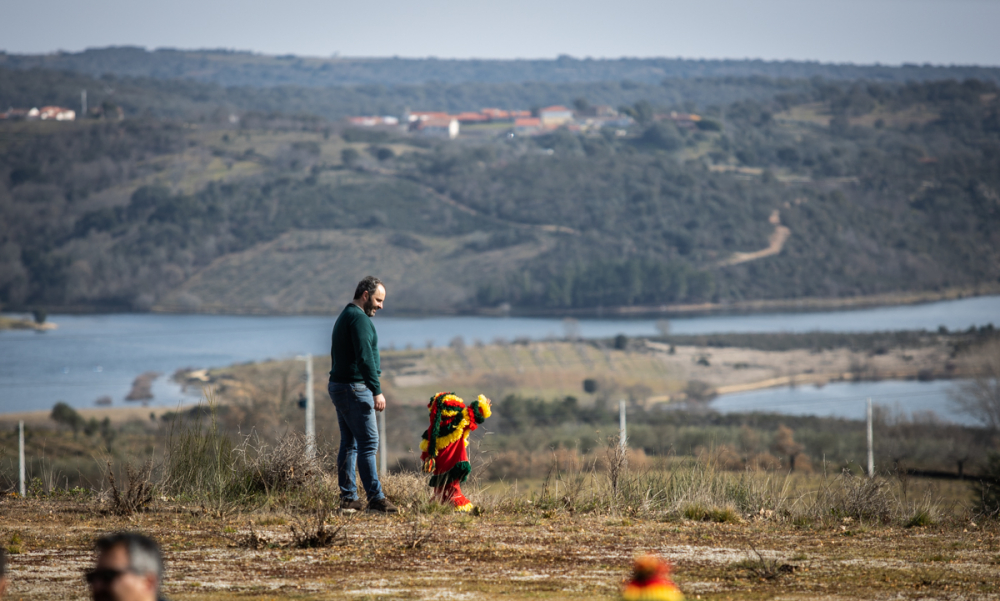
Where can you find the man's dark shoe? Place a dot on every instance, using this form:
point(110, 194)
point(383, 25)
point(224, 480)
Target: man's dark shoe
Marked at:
point(355, 505)
point(382, 506)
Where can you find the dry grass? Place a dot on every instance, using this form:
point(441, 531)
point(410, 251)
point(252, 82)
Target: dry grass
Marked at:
point(535, 553)
point(204, 462)
point(734, 535)
point(408, 490)
point(136, 493)
point(313, 531)
point(571, 534)
point(761, 567)
point(284, 466)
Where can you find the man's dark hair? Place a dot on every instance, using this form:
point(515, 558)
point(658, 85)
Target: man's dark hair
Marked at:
point(144, 555)
point(370, 284)
point(3, 562)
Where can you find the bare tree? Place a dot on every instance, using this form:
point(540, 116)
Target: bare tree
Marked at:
point(980, 395)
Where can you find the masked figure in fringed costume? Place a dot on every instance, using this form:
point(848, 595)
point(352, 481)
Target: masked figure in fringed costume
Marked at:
point(651, 581)
point(444, 443)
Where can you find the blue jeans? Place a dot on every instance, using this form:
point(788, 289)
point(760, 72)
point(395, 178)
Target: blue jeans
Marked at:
point(358, 440)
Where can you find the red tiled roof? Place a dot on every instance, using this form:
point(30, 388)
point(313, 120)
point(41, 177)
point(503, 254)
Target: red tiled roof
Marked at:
point(496, 113)
point(424, 115)
point(469, 116)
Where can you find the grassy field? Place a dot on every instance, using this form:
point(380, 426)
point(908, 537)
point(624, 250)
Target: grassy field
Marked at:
point(647, 372)
point(306, 271)
point(524, 545)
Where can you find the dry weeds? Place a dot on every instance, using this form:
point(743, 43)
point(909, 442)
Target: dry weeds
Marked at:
point(537, 553)
point(136, 494)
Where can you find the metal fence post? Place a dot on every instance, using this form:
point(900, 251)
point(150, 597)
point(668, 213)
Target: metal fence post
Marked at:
point(871, 453)
point(20, 454)
point(310, 408)
point(383, 447)
point(622, 437)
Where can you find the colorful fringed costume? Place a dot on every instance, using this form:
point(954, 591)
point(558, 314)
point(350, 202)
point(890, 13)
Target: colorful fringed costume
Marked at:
point(651, 581)
point(444, 442)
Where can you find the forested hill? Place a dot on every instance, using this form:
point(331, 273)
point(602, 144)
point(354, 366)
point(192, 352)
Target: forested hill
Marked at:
point(194, 100)
point(232, 68)
point(818, 190)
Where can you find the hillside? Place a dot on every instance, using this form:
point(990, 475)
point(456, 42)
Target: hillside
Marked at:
point(234, 68)
point(192, 99)
point(880, 189)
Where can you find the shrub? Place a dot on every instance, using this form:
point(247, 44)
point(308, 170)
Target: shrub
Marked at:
point(662, 135)
point(283, 467)
point(722, 515)
point(709, 125)
point(762, 567)
point(920, 519)
point(987, 489)
point(199, 457)
point(350, 156)
point(202, 461)
point(137, 495)
point(406, 489)
point(863, 499)
point(315, 532)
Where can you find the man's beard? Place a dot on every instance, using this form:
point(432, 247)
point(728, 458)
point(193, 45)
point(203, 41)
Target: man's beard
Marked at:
point(369, 307)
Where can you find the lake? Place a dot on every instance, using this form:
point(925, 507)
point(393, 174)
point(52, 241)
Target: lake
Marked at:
point(849, 400)
point(89, 356)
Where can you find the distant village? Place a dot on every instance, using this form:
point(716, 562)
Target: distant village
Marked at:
point(513, 122)
point(487, 121)
point(46, 113)
point(106, 110)
point(58, 113)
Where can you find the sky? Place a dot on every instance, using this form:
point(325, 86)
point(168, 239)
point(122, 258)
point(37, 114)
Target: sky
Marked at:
point(889, 32)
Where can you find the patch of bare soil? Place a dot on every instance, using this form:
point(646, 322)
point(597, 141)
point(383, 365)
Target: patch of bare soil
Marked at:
point(776, 241)
point(543, 555)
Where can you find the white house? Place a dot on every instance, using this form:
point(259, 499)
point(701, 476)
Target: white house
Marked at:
point(439, 128)
point(554, 116)
point(56, 113)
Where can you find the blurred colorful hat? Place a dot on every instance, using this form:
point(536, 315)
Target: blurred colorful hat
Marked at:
point(651, 581)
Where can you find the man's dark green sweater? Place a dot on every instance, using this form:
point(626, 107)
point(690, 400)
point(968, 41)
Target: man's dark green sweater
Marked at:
point(354, 350)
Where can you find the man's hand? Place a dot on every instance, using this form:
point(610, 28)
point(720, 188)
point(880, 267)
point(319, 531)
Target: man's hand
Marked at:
point(380, 402)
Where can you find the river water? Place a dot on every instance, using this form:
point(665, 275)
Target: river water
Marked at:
point(849, 400)
point(90, 356)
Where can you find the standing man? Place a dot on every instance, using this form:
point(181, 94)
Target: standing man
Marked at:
point(354, 388)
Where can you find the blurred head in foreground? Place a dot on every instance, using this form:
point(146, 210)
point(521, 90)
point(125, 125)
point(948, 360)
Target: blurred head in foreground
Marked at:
point(3, 571)
point(129, 568)
point(651, 581)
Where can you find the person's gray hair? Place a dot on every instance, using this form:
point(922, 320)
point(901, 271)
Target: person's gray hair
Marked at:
point(369, 284)
point(144, 555)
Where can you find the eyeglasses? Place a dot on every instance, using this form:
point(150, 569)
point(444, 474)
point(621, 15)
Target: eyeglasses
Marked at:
point(103, 576)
